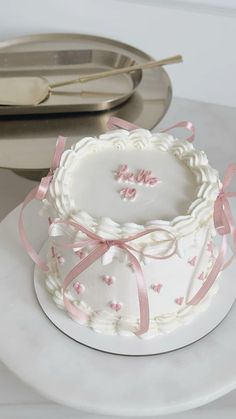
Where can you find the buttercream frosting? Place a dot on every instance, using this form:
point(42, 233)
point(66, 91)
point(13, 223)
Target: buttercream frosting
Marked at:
point(86, 189)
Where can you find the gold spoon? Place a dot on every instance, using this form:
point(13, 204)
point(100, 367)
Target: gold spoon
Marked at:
point(30, 91)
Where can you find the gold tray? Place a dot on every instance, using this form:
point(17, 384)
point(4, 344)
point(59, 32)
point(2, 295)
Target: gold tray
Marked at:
point(57, 66)
point(27, 142)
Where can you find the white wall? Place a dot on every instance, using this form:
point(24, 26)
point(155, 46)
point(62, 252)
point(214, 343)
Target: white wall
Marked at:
point(203, 31)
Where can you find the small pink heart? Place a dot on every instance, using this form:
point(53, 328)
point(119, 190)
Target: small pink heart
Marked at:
point(179, 301)
point(80, 253)
point(201, 276)
point(156, 288)
point(60, 259)
point(210, 247)
point(192, 262)
point(109, 280)
point(115, 306)
point(79, 288)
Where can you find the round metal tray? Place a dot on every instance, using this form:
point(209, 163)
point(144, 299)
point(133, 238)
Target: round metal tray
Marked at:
point(27, 142)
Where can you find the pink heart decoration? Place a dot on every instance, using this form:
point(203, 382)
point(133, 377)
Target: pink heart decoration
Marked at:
point(201, 276)
point(109, 280)
point(60, 259)
point(210, 247)
point(115, 306)
point(80, 253)
point(156, 288)
point(79, 288)
point(179, 301)
point(192, 262)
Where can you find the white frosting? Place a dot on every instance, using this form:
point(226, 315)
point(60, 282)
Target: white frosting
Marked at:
point(101, 318)
point(93, 180)
point(84, 188)
point(63, 192)
point(177, 276)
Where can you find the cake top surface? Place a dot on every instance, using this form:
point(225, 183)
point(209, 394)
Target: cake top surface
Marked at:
point(129, 180)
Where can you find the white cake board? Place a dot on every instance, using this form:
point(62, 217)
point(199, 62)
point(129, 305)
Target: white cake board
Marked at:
point(94, 381)
point(200, 326)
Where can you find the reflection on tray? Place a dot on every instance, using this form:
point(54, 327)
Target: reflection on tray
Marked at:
point(52, 67)
point(87, 93)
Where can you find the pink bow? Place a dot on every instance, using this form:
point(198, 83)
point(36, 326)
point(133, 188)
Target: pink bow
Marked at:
point(224, 224)
point(100, 247)
point(39, 192)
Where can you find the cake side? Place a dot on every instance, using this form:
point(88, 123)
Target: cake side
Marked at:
point(108, 293)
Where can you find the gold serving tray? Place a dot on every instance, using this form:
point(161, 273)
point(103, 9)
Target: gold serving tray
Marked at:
point(27, 142)
point(57, 66)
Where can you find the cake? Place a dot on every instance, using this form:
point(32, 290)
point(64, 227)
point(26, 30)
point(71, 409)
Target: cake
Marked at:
point(154, 189)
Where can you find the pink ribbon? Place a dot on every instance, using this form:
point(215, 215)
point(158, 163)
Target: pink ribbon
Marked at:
point(100, 247)
point(99, 244)
point(45, 181)
point(39, 192)
point(115, 122)
point(224, 224)
point(184, 124)
point(223, 220)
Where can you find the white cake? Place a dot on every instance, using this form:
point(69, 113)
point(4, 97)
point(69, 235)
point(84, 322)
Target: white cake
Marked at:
point(120, 184)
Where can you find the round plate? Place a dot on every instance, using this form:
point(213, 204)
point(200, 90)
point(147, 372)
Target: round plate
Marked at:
point(90, 380)
point(203, 323)
point(33, 138)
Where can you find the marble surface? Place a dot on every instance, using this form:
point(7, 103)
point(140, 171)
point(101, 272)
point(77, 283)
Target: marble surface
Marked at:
point(80, 377)
point(215, 131)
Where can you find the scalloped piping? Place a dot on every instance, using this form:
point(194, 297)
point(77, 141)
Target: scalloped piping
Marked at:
point(108, 324)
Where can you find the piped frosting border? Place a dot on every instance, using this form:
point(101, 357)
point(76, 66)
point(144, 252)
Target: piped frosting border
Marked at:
point(199, 212)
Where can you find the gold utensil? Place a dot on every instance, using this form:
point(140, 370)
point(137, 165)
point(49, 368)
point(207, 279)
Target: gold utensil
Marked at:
point(25, 91)
point(151, 64)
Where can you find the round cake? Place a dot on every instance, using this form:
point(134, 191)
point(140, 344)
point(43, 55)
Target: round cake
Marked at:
point(150, 199)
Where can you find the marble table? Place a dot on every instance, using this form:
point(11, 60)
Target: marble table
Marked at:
point(215, 128)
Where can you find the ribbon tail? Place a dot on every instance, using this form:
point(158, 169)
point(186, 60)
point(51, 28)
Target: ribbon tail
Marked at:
point(43, 187)
point(26, 243)
point(227, 218)
point(76, 271)
point(45, 181)
point(230, 172)
point(217, 268)
point(230, 224)
point(184, 124)
point(218, 217)
point(60, 147)
point(142, 295)
point(115, 122)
